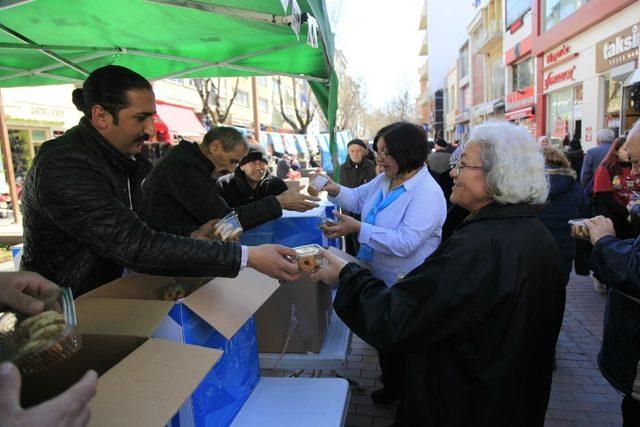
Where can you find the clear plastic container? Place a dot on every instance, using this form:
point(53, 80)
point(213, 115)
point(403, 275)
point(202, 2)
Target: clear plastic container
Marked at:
point(579, 229)
point(35, 342)
point(228, 228)
point(309, 258)
point(315, 187)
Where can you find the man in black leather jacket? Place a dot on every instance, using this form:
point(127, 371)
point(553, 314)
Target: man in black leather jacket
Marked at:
point(616, 262)
point(179, 195)
point(82, 198)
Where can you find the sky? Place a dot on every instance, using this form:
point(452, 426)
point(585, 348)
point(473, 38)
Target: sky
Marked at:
point(381, 41)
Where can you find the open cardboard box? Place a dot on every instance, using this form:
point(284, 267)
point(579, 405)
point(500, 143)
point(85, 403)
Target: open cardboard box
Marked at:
point(299, 310)
point(139, 383)
point(218, 315)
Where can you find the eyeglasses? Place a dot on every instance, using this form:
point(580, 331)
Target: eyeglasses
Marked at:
point(382, 154)
point(458, 166)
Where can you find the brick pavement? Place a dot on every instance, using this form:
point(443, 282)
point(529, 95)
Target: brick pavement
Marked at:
point(580, 396)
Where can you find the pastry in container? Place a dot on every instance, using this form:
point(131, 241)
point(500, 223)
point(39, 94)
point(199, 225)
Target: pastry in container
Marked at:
point(36, 342)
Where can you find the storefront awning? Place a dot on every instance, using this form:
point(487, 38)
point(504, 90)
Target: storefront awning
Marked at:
point(180, 121)
point(518, 114)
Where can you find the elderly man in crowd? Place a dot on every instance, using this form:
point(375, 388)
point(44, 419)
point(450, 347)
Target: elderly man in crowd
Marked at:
point(617, 263)
point(594, 156)
point(479, 319)
point(179, 194)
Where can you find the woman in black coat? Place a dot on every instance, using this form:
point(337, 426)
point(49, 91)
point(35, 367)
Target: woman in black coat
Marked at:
point(479, 319)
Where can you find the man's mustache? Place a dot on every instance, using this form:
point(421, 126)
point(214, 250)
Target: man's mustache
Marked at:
point(142, 138)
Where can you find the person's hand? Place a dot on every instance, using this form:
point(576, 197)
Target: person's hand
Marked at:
point(294, 200)
point(270, 260)
point(17, 288)
point(330, 271)
point(345, 226)
point(67, 409)
point(205, 231)
point(599, 227)
point(330, 186)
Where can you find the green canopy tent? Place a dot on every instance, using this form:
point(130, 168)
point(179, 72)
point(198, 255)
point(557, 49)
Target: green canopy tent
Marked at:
point(45, 42)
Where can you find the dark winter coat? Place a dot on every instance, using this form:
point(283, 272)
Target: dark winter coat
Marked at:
point(565, 202)
point(179, 194)
point(353, 176)
point(478, 322)
point(81, 226)
point(617, 263)
point(236, 191)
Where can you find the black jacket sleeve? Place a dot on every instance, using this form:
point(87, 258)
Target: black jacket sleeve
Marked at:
point(617, 263)
point(256, 213)
point(87, 210)
point(437, 300)
point(607, 205)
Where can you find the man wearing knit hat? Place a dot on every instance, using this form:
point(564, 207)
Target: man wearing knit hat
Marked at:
point(251, 180)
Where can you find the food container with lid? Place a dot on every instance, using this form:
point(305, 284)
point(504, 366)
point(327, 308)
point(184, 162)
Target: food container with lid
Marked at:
point(309, 258)
point(35, 342)
point(579, 229)
point(228, 228)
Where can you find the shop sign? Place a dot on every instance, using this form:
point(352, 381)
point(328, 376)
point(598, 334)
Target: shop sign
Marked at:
point(553, 57)
point(520, 99)
point(618, 49)
point(555, 78)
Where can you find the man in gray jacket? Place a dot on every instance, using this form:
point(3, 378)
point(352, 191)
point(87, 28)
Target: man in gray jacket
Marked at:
point(594, 156)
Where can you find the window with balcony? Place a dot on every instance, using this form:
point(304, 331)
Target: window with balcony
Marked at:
point(515, 9)
point(522, 74)
point(497, 80)
point(557, 10)
point(242, 98)
point(463, 62)
point(263, 105)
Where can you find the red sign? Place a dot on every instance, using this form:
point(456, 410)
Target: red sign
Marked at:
point(562, 76)
point(558, 54)
point(520, 99)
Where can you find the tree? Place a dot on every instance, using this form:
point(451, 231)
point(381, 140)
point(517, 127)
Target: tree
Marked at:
point(301, 120)
point(352, 112)
point(402, 107)
point(212, 104)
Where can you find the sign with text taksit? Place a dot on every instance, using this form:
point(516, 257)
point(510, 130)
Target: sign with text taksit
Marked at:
point(618, 49)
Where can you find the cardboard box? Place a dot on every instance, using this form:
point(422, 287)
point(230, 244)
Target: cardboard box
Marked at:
point(138, 384)
point(299, 310)
point(218, 315)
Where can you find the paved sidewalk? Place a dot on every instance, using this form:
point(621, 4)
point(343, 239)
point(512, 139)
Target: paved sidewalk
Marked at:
point(580, 396)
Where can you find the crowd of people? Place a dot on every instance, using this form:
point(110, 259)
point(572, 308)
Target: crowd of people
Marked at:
point(468, 247)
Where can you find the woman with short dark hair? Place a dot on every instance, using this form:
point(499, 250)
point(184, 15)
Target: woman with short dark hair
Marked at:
point(402, 211)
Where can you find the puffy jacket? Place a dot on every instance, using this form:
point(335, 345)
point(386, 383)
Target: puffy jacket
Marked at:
point(80, 222)
point(617, 263)
point(179, 194)
point(565, 202)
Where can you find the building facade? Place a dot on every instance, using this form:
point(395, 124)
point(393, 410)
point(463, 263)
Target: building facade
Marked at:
point(450, 103)
point(586, 58)
point(422, 109)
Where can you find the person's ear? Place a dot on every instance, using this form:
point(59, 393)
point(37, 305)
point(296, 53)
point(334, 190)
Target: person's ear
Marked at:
point(100, 117)
point(214, 146)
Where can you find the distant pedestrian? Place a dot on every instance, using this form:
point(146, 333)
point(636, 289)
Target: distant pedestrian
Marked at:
point(439, 160)
point(575, 155)
point(594, 156)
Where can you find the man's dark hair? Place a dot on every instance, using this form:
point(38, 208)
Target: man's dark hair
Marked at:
point(229, 136)
point(407, 144)
point(108, 86)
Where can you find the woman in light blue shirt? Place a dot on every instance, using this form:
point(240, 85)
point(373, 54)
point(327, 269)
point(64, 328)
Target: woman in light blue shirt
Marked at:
point(403, 209)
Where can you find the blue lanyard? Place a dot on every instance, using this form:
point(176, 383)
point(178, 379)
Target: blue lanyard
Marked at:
point(366, 252)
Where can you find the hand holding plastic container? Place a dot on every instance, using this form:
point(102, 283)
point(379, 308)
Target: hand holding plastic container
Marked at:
point(38, 341)
point(228, 228)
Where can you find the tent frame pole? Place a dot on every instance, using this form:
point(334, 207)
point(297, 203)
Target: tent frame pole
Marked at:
point(8, 163)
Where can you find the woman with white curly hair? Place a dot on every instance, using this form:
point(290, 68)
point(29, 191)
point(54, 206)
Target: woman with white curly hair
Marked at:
point(479, 319)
